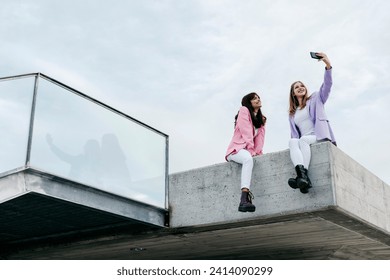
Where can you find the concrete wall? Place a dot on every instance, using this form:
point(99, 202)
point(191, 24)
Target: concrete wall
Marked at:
point(211, 194)
point(30, 180)
point(359, 192)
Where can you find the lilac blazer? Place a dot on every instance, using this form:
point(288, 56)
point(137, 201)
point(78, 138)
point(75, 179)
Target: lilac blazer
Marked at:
point(316, 102)
point(243, 137)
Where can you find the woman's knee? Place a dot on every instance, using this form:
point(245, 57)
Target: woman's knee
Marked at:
point(307, 140)
point(303, 142)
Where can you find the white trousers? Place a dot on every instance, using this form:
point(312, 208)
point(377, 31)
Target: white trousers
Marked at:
point(245, 158)
point(300, 150)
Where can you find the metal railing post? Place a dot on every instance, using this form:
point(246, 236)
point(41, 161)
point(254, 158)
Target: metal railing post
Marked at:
point(31, 127)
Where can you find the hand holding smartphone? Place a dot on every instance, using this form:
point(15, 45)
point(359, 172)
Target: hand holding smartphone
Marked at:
point(314, 55)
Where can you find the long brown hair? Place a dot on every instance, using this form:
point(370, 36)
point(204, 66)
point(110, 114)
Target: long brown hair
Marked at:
point(257, 120)
point(294, 101)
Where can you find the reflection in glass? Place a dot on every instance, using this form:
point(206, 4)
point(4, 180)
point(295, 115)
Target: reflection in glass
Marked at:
point(85, 142)
point(84, 166)
point(15, 110)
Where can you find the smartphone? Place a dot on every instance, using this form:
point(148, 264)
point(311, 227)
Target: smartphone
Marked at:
point(314, 55)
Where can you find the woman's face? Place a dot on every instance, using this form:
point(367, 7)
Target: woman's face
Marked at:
point(299, 89)
point(256, 102)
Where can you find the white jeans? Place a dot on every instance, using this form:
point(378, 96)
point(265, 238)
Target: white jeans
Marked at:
point(300, 150)
point(245, 158)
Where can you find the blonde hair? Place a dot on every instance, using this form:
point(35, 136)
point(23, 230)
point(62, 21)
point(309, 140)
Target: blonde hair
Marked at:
point(294, 101)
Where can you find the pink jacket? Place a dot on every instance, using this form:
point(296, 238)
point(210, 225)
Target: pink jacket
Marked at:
point(243, 137)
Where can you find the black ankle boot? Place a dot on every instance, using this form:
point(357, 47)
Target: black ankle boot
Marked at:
point(306, 177)
point(302, 181)
point(246, 202)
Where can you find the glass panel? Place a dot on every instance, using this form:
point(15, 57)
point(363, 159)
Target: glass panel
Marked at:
point(85, 142)
point(15, 110)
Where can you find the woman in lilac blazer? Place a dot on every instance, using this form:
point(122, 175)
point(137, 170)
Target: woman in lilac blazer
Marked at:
point(309, 124)
point(247, 142)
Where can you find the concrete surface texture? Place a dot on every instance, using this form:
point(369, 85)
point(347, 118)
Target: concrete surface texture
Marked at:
point(210, 195)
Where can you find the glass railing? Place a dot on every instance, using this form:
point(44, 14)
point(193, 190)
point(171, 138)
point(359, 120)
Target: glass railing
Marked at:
point(53, 128)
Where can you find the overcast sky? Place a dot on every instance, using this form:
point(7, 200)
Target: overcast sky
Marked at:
point(183, 66)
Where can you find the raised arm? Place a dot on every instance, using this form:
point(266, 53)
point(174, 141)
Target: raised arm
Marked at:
point(327, 84)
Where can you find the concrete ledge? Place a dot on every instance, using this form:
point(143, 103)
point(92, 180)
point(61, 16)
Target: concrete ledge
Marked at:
point(358, 192)
point(211, 194)
point(29, 181)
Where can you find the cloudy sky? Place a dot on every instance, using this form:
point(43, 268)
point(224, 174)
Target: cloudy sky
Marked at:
point(183, 66)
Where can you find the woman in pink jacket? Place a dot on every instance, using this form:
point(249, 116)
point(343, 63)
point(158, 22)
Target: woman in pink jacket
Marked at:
point(247, 142)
